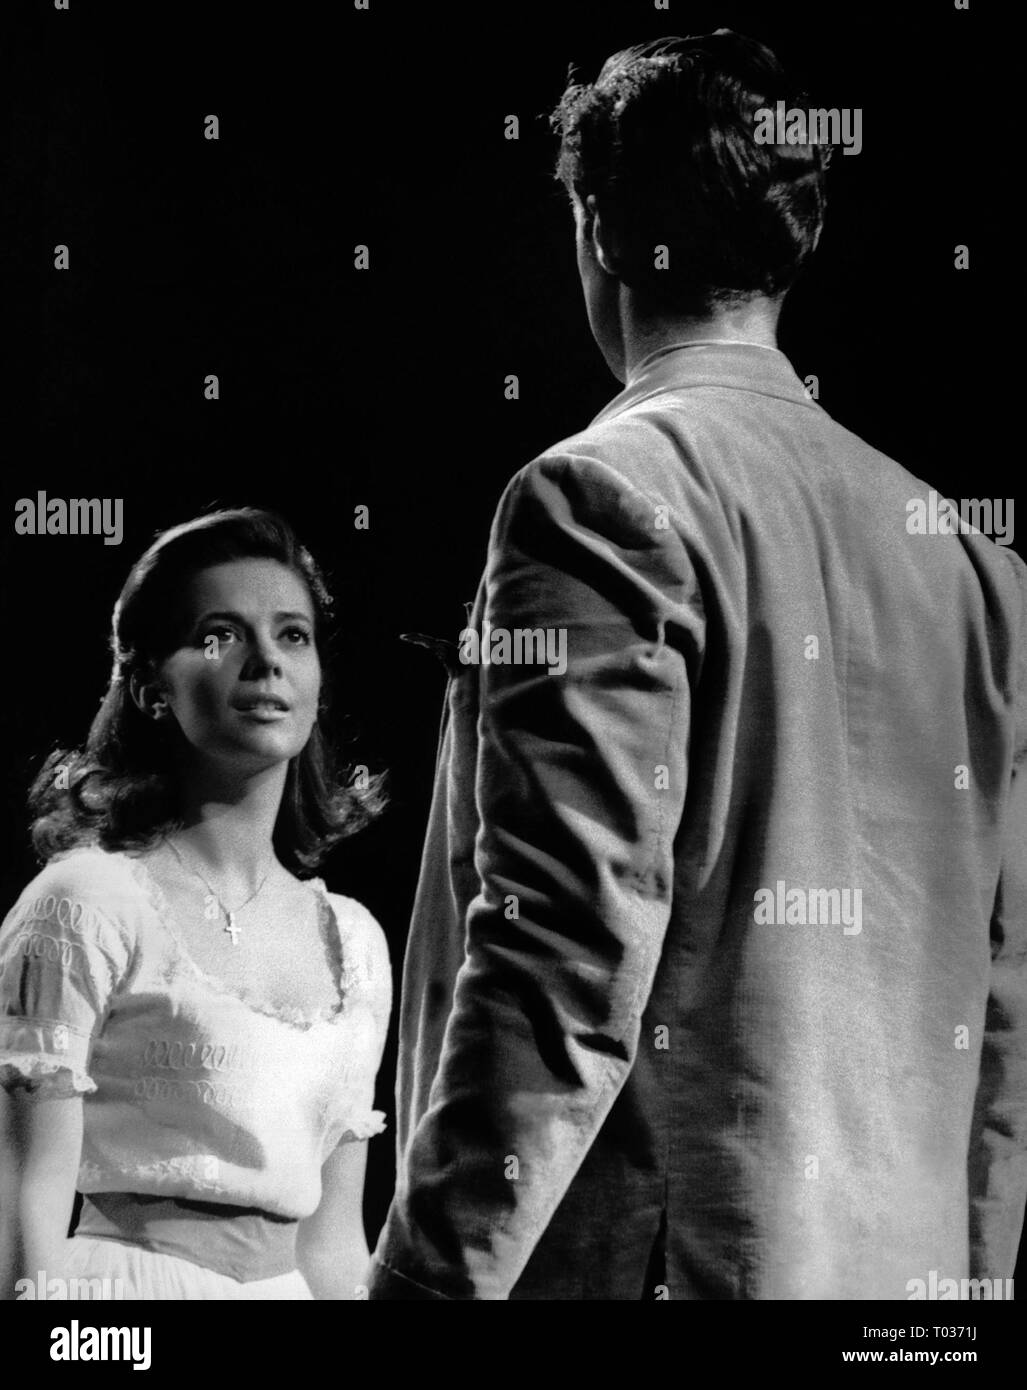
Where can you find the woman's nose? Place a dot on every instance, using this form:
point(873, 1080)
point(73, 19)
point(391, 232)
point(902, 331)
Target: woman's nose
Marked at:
point(263, 656)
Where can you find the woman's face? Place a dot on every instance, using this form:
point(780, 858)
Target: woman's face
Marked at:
point(244, 684)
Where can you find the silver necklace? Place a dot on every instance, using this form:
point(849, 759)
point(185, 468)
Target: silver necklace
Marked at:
point(230, 927)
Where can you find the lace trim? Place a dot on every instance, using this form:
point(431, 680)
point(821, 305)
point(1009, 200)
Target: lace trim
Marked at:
point(347, 974)
point(36, 1072)
point(366, 1127)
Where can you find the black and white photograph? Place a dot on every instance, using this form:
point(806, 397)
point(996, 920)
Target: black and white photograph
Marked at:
point(515, 759)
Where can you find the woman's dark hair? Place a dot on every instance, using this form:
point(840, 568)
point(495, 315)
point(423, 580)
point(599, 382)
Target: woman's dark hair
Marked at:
point(121, 789)
point(665, 140)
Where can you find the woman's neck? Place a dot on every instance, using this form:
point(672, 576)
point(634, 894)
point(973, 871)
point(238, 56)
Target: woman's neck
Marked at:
point(229, 821)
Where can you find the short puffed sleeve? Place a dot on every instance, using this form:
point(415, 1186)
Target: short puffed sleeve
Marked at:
point(371, 975)
point(377, 972)
point(65, 948)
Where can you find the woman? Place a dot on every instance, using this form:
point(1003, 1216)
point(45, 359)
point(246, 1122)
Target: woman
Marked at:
point(189, 1030)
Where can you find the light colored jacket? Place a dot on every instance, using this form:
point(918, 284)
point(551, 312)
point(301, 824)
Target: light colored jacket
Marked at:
point(715, 987)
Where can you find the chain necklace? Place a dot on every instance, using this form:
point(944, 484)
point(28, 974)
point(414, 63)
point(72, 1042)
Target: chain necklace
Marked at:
point(232, 930)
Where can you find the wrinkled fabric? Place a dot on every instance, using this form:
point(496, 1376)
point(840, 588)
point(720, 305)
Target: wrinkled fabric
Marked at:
point(628, 1069)
point(190, 1090)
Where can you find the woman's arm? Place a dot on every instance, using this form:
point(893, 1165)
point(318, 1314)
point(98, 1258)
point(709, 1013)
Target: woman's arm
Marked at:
point(41, 1145)
point(332, 1247)
point(66, 946)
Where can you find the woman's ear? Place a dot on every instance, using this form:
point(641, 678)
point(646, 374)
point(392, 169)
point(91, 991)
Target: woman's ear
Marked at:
point(148, 695)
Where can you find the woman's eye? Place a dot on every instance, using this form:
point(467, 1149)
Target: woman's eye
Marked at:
point(301, 633)
point(220, 633)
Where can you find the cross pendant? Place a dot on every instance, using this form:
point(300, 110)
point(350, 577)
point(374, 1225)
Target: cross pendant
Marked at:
point(232, 930)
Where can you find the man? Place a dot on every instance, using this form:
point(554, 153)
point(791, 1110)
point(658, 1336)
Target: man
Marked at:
point(715, 985)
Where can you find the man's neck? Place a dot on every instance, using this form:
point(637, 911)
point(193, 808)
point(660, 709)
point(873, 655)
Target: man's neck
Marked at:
point(753, 322)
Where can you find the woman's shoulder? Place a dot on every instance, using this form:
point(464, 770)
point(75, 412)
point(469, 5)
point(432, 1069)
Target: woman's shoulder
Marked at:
point(362, 931)
point(85, 881)
point(89, 868)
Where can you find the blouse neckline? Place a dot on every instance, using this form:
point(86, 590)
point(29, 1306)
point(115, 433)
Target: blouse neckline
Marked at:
point(340, 940)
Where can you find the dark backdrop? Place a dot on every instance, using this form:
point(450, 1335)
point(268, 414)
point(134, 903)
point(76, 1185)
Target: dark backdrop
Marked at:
point(384, 387)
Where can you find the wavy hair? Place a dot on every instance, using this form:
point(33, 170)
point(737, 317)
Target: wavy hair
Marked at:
point(665, 140)
point(120, 790)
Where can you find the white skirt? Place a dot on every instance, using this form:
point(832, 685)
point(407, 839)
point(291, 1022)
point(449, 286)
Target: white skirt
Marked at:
point(130, 1272)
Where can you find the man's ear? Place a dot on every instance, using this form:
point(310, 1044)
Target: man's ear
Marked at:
point(147, 694)
point(604, 233)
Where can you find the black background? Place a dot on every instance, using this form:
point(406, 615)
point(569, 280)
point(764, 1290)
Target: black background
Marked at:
point(384, 387)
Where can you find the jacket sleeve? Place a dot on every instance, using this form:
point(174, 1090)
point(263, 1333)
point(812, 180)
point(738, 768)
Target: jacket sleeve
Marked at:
point(998, 1146)
point(580, 789)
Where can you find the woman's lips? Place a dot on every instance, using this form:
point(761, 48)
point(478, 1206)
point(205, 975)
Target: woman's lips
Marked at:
point(265, 709)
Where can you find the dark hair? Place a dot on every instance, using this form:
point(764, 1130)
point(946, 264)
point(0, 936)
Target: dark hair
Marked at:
point(121, 789)
point(664, 139)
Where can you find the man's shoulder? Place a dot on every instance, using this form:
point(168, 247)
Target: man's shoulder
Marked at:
point(619, 451)
point(676, 438)
point(706, 464)
point(679, 443)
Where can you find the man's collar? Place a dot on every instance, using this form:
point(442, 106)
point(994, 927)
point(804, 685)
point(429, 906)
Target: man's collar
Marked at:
point(711, 362)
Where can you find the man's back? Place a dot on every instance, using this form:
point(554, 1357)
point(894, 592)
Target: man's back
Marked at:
point(801, 1104)
point(712, 907)
point(715, 985)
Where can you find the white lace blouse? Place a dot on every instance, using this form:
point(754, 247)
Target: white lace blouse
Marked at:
point(191, 1090)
